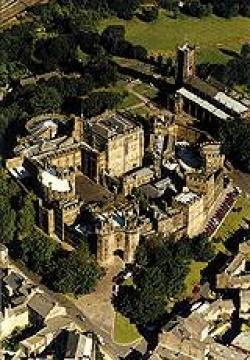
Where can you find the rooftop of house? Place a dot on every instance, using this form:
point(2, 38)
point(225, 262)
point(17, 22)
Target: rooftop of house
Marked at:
point(242, 341)
point(89, 191)
point(13, 280)
point(195, 324)
point(211, 311)
point(79, 346)
point(221, 352)
point(150, 191)
point(235, 264)
point(235, 282)
point(41, 304)
point(245, 297)
point(142, 172)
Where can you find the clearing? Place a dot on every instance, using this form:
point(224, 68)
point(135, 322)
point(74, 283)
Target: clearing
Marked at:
point(209, 34)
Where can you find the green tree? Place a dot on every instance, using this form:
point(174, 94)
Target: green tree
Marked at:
point(164, 265)
point(45, 99)
point(77, 272)
point(3, 74)
point(26, 218)
point(7, 221)
point(38, 251)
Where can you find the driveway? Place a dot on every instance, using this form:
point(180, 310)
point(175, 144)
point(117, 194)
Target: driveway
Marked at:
point(97, 305)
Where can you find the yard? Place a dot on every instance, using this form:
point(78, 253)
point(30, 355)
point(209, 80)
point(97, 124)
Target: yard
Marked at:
point(124, 332)
point(193, 277)
point(209, 34)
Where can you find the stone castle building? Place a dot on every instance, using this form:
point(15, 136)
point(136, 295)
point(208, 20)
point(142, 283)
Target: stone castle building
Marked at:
point(74, 164)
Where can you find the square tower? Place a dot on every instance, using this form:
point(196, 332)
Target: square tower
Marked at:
point(185, 63)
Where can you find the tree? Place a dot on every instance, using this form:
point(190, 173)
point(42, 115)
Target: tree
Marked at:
point(149, 14)
point(112, 36)
point(164, 265)
point(226, 8)
point(76, 273)
point(38, 251)
point(44, 99)
point(234, 135)
point(169, 4)
point(124, 9)
point(81, 20)
point(201, 248)
point(7, 221)
point(244, 8)
point(245, 50)
point(3, 74)
point(26, 218)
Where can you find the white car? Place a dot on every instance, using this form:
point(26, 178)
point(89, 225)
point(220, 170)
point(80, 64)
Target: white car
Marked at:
point(101, 340)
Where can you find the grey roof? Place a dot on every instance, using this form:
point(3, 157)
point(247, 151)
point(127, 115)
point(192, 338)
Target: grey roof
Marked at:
point(150, 191)
point(18, 300)
point(14, 280)
point(230, 103)
point(203, 103)
point(41, 304)
point(79, 346)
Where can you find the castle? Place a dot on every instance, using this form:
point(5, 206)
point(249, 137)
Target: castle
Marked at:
point(79, 167)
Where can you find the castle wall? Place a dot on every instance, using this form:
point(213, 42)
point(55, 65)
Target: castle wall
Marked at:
point(196, 217)
point(70, 158)
point(46, 220)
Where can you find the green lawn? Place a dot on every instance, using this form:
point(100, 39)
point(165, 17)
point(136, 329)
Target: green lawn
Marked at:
point(124, 331)
point(120, 86)
point(193, 277)
point(234, 219)
point(166, 33)
point(146, 90)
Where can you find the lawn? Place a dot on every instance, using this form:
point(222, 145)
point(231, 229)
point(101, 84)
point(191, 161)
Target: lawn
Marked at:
point(193, 277)
point(146, 90)
point(164, 35)
point(235, 219)
point(120, 86)
point(124, 331)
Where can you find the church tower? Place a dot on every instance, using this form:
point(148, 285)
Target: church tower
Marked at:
point(185, 63)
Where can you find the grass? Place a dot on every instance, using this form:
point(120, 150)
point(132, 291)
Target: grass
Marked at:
point(193, 277)
point(120, 86)
point(235, 219)
point(146, 90)
point(209, 34)
point(124, 331)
